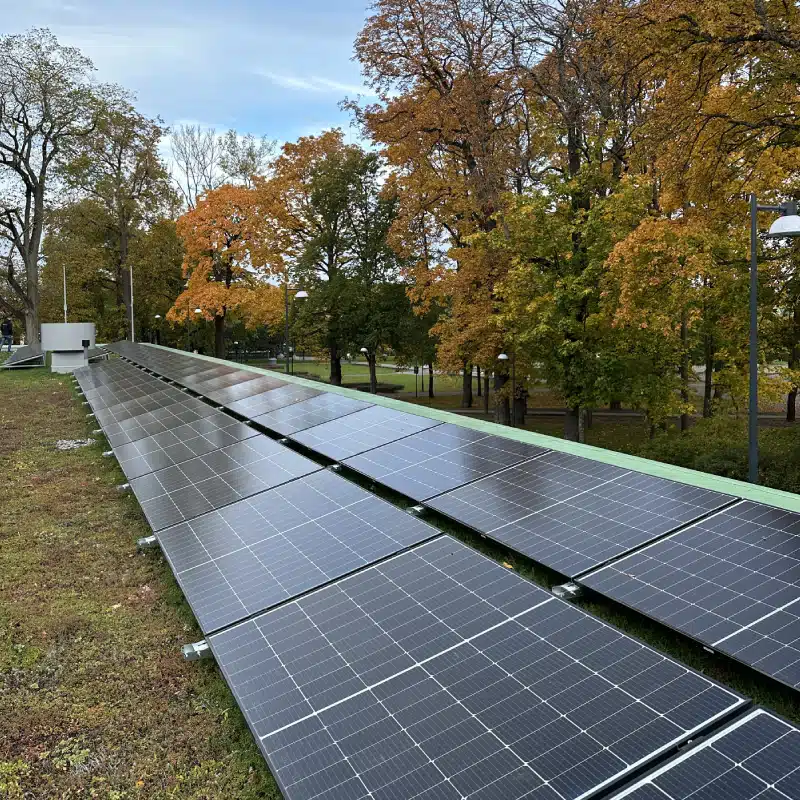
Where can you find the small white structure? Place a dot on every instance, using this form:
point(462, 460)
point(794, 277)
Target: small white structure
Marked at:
point(69, 344)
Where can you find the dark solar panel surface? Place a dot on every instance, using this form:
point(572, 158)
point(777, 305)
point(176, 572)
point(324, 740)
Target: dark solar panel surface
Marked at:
point(308, 413)
point(180, 444)
point(231, 394)
point(139, 405)
point(188, 409)
point(731, 581)
point(254, 554)
point(440, 459)
point(573, 514)
point(362, 431)
point(756, 757)
point(439, 674)
point(23, 356)
point(202, 484)
point(258, 404)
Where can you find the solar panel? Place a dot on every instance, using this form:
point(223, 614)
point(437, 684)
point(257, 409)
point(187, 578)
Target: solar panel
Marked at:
point(180, 444)
point(255, 406)
point(233, 378)
point(440, 459)
point(24, 356)
point(202, 484)
point(139, 405)
point(731, 581)
point(254, 554)
point(116, 394)
point(167, 418)
point(756, 757)
point(572, 514)
point(362, 431)
point(308, 413)
point(249, 388)
point(439, 674)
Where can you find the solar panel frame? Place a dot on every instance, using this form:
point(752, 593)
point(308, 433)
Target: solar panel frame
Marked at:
point(726, 582)
point(753, 757)
point(572, 514)
point(361, 431)
point(440, 459)
point(477, 656)
point(267, 549)
point(205, 483)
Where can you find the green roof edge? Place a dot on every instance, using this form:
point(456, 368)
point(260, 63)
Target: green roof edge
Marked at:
point(704, 480)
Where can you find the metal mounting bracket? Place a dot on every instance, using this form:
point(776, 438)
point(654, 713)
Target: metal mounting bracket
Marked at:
point(567, 591)
point(146, 543)
point(196, 651)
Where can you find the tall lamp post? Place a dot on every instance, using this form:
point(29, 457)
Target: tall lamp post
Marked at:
point(301, 295)
point(786, 226)
point(503, 357)
point(158, 327)
point(197, 313)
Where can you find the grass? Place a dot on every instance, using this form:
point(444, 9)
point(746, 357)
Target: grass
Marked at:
point(95, 698)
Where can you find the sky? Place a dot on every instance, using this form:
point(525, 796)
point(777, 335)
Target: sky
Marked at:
point(267, 67)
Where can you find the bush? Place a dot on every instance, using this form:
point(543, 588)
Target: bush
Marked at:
point(719, 446)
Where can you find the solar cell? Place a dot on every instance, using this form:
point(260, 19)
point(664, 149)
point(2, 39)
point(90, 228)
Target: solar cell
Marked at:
point(254, 554)
point(440, 459)
point(180, 444)
point(249, 388)
point(308, 413)
point(756, 757)
point(731, 581)
point(139, 405)
point(572, 514)
point(258, 404)
point(439, 674)
point(202, 484)
point(228, 379)
point(188, 409)
point(361, 431)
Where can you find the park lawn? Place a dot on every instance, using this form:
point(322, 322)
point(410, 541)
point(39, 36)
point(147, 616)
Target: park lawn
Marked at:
point(95, 698)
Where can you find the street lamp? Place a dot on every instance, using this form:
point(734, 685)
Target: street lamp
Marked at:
point(787, 225)
point(301, 295)
point(197, 311)
point(503, 357)
point(158, 327)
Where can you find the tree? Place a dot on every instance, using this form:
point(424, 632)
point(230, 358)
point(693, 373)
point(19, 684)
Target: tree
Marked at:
point(118, 165)
point(47, 103)
point(196, 153)
point(242, 157)
point(220, 236)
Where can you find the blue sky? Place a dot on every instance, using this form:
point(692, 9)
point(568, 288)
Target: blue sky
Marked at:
point(270, 68)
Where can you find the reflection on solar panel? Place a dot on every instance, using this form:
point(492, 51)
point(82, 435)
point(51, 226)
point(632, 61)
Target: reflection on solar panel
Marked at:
point(255, 406)
point(756, 757)
point(195, 487)
point(27, 356)
point(439, 674)
point(233, 378)
point(440, 459)
point(184, 442)
point(247, 389)
point(188, 409)
point(572, 514)
point(362, 431)
point(311, 412)
point(731, 581)
point(258, 552)
point(139, 405)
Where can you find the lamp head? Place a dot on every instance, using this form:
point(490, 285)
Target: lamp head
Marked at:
point(198, 311)
point(787, 225)
point(364, 350)
point(158, 316)
point(301, 295)
point(502, 357)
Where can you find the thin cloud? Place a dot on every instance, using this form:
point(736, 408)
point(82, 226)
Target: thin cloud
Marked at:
point(312, 84)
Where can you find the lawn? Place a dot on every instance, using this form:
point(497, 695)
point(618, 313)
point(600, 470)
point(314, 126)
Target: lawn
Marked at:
point(95, 698)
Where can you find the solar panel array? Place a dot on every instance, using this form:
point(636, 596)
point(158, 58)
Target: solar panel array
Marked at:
point(756, 757)
point(731, 581)
point(375, 657)
point(440, 674)
point(25, 356)
point(572, 514)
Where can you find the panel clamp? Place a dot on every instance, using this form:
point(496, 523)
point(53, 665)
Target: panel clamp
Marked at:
point(146, 543)
point(567, 591)
point(196, 651)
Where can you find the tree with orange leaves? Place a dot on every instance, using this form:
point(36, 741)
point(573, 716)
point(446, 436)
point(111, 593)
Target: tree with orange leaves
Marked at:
point(220, 236)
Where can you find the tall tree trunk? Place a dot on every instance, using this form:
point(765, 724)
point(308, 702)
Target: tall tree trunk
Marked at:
point(708, 383)
point(125, 272)
point(502, 408)
point(430, 380)
point(684, 370)
point(373, 373)
point(478, 369)
point(571, 424)
point(794, 357)
point(582, 425)
point(520, 409)
point(486, 393)
point(466, 386)
point(336, 365)
point(219, 336)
